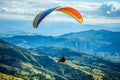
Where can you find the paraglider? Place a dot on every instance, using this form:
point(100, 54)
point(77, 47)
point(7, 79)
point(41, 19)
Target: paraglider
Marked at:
point(62, 59)
point(68, 10)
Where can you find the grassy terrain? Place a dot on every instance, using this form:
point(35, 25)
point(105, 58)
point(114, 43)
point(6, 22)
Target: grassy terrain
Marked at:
point(9, 77)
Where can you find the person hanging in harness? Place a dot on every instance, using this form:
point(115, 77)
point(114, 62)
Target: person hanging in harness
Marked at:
point(62, 59)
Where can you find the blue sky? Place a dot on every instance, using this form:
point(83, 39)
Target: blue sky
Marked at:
point(16, 16)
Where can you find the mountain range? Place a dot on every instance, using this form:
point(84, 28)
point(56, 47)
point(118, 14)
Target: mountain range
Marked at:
point(87, 41)
point(101, 43)
point(42, 64)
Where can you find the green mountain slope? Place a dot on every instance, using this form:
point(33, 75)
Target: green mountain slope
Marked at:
point(42, 64)
point(91, 65)
point(8, 77)
point(23, 64)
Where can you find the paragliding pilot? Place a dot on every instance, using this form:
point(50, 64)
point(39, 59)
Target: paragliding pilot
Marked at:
point(62, 59)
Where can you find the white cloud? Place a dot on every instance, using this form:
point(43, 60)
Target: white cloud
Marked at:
point(16, 17)
point(3, 10)
point(111, 9)
point(100, 20)
point(27, 9)
point(30, 5)
point(79, 5)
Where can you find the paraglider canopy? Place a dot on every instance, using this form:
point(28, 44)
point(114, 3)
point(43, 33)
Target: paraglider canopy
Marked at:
point(68, 10)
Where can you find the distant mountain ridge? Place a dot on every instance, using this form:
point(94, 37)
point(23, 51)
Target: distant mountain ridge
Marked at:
point(93, 42)
point(86, 41)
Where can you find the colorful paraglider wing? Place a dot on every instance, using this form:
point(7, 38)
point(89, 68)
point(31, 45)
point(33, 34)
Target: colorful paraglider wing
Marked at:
point(41, 16)
point(72, 12)
point(68, 10)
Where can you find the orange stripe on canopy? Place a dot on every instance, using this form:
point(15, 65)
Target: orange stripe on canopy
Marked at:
point(72, 12)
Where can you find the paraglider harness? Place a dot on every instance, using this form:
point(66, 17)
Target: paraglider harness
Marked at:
point(62, 59)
